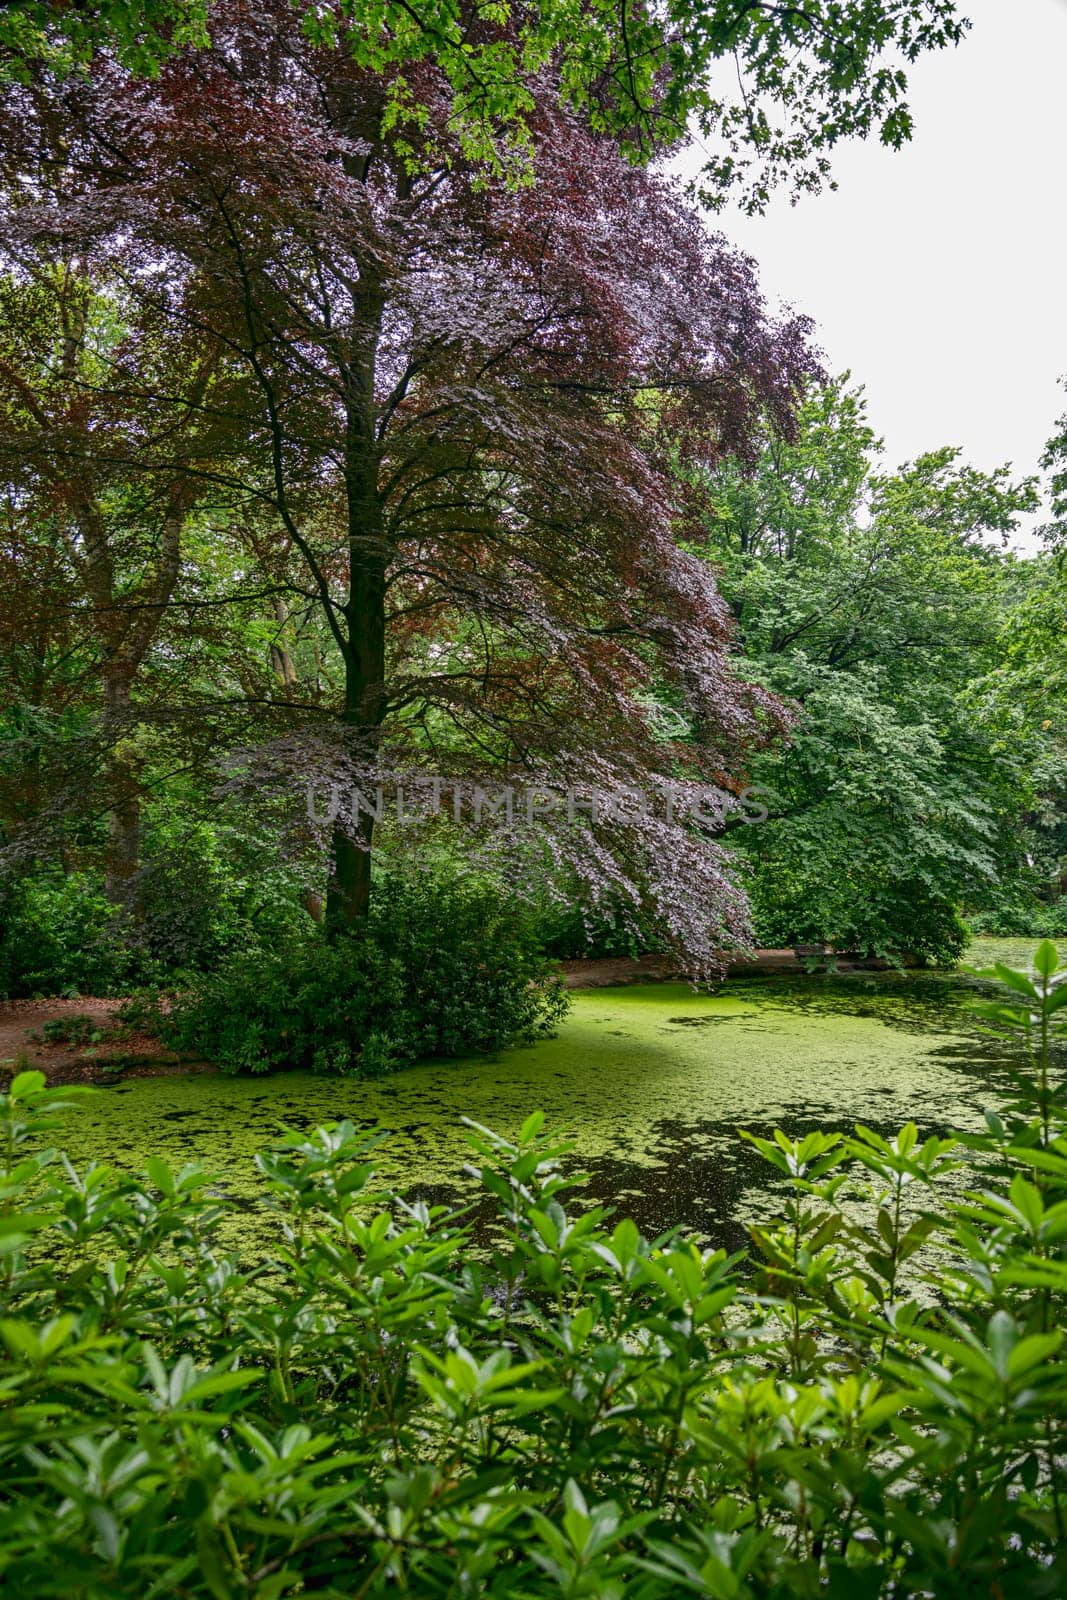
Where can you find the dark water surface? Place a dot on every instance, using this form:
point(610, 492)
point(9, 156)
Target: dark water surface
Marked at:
point(651, 1082)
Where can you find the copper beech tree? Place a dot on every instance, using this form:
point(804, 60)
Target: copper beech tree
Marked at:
point(462, 409)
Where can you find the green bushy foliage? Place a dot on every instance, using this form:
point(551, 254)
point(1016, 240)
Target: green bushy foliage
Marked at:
point(441, 969)
point(303, 1003)
point(570, 931)
point(77, 1029)
point(877, 1410)
point(190, 899)
point(202, 890)
point(475, 975)
point(919, 659)
point(894, 919)
point(58, 934)
point(1050, 921)
point(205, 888)
point(1021, 917)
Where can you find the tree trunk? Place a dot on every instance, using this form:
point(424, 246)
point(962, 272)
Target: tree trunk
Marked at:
point(348, 895)
point(312, 904)
point(348, 892)
point(124, 799)
point(128, 625)
point(280, 659)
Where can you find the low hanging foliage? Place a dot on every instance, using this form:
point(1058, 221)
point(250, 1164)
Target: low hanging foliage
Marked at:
point(876, 1409)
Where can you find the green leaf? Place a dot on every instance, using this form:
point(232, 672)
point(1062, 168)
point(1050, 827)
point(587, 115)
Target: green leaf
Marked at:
point(161, 1176)
point(25, 1084)
point(1003, 1337)
point(1046, 959)
point(1057, 999)
point(531, 1127)
point(1017, 981)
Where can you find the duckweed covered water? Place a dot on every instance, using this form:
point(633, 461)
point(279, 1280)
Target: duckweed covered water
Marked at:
point(651, 1082)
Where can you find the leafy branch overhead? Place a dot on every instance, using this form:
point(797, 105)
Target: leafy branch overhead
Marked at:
point(440, 413)
point(768, 89)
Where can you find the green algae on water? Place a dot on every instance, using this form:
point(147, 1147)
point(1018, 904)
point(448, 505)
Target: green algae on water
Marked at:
point(650, 1082)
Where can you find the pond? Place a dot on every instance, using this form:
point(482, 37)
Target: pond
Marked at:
point(651, 1082)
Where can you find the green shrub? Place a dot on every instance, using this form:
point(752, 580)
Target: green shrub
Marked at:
point(1022, 918)
point(204, 889)
point(570, 931)
point(301, 1003)
point(441, 969)
point(189, 911)
point(876, 1410)
point(74, 1028)
point(891, 919)
point(59, 935)
point(475, 975)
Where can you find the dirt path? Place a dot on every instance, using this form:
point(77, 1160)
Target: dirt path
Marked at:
point(23, 1046)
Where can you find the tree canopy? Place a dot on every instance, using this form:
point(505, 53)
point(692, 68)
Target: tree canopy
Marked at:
point(441, 414)
point(769, 89)
point(878, 603)
point(332, 447)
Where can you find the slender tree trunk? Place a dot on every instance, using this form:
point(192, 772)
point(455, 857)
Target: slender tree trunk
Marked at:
point(348, 895)
point(348, 892)
point(280, 659)
point(123, 790)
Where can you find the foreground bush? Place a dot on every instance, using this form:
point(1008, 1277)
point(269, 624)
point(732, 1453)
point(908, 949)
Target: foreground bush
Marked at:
point(441, 969)
point(375, 1411)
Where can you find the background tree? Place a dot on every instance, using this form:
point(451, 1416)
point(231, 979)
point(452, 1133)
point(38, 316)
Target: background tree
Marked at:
point(1054, 461)
point(1025, 694)
point(100, 487)
point(875, 602)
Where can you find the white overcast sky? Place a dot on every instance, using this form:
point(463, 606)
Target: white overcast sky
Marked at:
point(938, 273)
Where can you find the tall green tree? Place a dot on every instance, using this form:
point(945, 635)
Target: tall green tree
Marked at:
point(1026, 695)
point(873, 602)
point(1054, 461)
